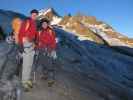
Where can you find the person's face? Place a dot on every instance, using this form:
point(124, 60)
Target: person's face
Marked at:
point(34, 16)
point(44, 25)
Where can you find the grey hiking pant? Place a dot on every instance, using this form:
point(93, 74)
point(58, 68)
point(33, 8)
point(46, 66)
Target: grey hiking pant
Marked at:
point(28, 58)
point(47, 65)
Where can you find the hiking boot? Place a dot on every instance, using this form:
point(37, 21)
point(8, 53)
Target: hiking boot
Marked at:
point(30, 84)
point(51, 83)
point(27, 86)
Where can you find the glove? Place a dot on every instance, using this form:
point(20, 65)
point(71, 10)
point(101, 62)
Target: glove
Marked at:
point(10, 39)
point(53, 54)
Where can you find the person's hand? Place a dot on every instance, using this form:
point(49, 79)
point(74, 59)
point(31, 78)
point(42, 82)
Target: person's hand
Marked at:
point(53, 54)
point(34, 45)
point(49, 49)
point(10, 39)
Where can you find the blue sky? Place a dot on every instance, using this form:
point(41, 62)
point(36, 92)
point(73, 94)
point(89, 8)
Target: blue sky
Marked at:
point(118, 13)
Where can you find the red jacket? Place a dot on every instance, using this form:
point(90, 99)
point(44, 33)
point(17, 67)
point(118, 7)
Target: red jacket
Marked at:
point(46, 39)
point(28, 29)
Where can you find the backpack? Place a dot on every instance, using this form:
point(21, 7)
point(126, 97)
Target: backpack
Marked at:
point(16, 25)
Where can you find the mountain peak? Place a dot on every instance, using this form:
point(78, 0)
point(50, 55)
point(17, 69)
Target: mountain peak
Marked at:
point(47, 11)
point(51, 14)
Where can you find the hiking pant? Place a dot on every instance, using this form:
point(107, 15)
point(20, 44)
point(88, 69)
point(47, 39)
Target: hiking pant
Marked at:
point(28, 58)
point(47, 65)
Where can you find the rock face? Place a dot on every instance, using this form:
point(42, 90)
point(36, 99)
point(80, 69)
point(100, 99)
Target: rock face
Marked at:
point(102, 70)
point(8, 64)
point(2, 36)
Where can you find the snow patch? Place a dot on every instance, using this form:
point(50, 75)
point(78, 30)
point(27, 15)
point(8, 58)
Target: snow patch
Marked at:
point(44, 11)
point(82, 38)
point(56, 20)
point(110, 40)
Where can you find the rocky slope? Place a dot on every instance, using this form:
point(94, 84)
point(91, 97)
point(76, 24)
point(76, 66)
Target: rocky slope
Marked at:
point(84, 70)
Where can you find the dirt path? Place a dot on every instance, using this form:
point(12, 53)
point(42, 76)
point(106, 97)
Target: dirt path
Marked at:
point(63, 89)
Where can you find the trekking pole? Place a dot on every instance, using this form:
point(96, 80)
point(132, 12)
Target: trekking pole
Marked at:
point(18, 94)
point(34, 77)
point(34, 68)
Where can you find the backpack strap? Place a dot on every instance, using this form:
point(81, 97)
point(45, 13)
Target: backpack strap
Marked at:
point(27, 25)
point(51, 31)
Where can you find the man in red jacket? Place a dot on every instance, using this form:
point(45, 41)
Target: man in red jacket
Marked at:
point(26, 39)
point(46, 46)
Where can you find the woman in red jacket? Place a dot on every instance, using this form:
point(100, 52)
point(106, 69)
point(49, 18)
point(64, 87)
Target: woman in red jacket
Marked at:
point(46, 37)
point(46, 45)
